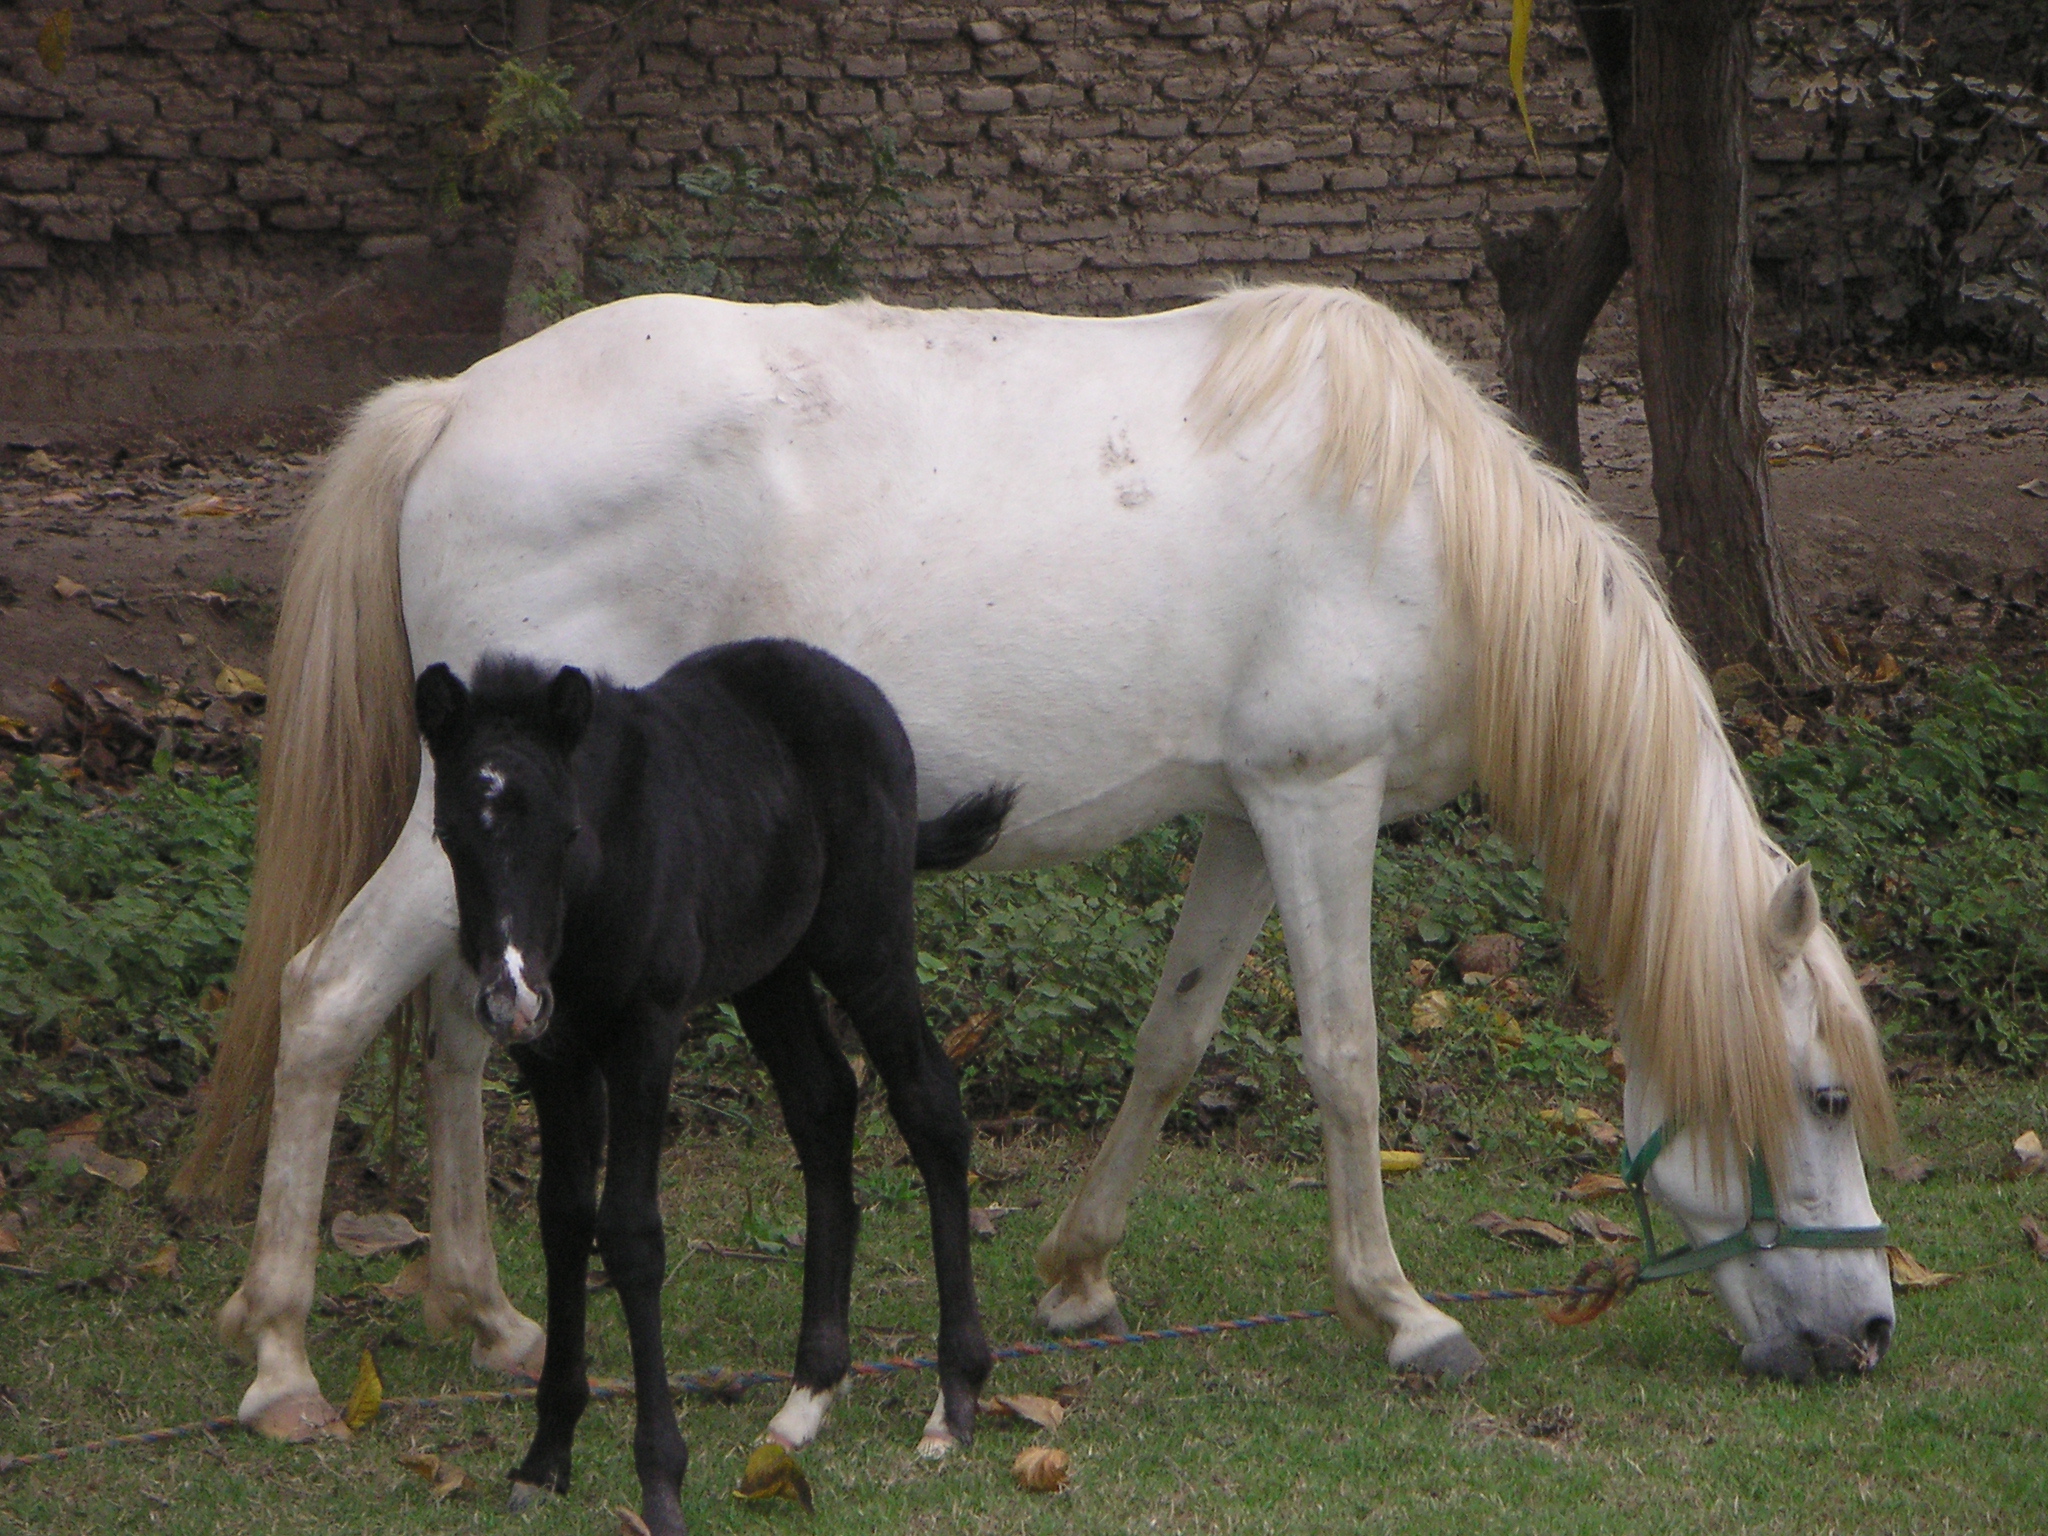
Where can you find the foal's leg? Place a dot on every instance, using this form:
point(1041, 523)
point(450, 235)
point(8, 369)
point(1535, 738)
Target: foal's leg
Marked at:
point(1227, 902)
point(462, 1269)
point(337, 992)
point(1319, 841)
point(819, 1097)
point(629, 1237)
point(569, 1102)
point(924, 1099)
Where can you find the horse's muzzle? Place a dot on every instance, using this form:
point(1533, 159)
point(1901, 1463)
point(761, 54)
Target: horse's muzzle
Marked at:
point(513, 1013)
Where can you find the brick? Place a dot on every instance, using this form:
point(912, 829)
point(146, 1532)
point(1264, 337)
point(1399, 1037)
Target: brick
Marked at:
point(1194, 87)
point(959, 235)
point(1092, 127)
point(950, 130)
point(927, 29)
point(888, 66)
point(36, 173)
point(380, 216)
point(121, 107)
point(1120, 93)
point(711, 36)
point(1448, 271)
point(794, 68)
point(19, 100)
point(1294, 179)
point(1271, 248)
point(1265, 152)
point(1156, 125)
point(304, 217)
point(1003, 263)
point(312, 71)
point(75, 139)
point(261, 184)
point(12, 141)
point(943, 59)
point(844, 101)
point(753, 66)
point(191, 179)
point(147, 216)
point(89, 221)
point(984, 98)
point(218, 214)
point(1041, 96)
point(1351, 211)
point(236, 141)
point(19, 255)
point(731, 135)
point(1073, 229)
point(1008, 61)
point(988, 33)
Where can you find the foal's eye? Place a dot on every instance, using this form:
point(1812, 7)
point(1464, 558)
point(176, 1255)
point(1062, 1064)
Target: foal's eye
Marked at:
point(1831, 1102)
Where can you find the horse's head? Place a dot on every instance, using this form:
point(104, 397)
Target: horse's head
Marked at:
point(505, 814)
point(1805, 1271)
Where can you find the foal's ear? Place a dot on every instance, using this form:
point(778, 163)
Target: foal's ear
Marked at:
point(1793, 914)
point(569, 705)
point(441, 704)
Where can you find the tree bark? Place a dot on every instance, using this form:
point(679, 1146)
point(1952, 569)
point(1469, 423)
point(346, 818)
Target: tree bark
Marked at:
point(1686, 199)
point(1554, 282)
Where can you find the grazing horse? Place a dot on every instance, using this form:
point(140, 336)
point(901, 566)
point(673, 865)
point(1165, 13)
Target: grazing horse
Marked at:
point(1267, 558)
point(624, 856)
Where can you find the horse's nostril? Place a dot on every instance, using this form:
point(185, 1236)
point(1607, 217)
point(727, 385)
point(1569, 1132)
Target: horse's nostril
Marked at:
point(1877, 1337)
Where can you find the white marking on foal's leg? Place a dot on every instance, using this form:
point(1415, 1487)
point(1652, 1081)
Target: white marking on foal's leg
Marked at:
point(937, 1439)
point(802, 1415)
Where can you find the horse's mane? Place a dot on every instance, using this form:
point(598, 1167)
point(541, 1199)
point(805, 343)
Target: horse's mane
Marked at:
point(1594, 734)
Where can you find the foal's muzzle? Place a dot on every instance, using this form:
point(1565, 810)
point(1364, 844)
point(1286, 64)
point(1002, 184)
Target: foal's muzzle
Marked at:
point(511, 1012)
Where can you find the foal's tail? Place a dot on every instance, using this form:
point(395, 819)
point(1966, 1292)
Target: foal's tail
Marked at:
point(340, 754)
point(967, 831)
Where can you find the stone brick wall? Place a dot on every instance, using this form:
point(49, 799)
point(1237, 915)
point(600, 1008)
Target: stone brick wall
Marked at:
point(211, 180)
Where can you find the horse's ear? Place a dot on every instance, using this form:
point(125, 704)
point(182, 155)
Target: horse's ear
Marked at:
point(441, 705)
point(569, 705)
point(1793, 915)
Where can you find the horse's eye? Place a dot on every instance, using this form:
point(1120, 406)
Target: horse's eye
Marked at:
point(1831, 1102)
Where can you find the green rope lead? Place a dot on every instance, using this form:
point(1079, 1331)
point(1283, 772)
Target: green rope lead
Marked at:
point(730, 1385)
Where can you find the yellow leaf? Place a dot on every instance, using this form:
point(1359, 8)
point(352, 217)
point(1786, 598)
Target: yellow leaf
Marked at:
point(443, 1477)
point(1518, 59)
point(1909, 1274)
point(164, 1266)
point(630, 1523)
point(239, 683)
point(367, 1397)
point(121, 1172)
point(64, 588)
point(409, 1281)
point(2027, 1153)
point(1399, 1162)
point(53, 43)
point(10, 1233)
point(1041, 1469)
point(772, 1473)
point(1042, 1411)
point(1432, 1010)
point(1593, 1186)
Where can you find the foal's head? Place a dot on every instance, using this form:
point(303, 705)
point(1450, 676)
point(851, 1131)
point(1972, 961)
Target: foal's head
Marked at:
point(505, 814)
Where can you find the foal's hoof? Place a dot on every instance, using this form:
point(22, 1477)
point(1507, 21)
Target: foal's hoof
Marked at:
point(300, 1418)
point(936, 1447)
point(1450, 1360)
point(525, 1496)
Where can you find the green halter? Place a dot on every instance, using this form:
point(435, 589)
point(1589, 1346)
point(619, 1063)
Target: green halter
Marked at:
point(1760, 1234)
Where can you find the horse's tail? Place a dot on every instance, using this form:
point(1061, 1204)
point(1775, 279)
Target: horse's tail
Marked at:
point(967, 830)
point(340, 754)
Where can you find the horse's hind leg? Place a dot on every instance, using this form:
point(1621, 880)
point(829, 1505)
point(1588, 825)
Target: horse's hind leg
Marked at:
point(462, 1268)
point(819, 1098)
point(337, 993)
point(1319, 839)
point(1226, 905)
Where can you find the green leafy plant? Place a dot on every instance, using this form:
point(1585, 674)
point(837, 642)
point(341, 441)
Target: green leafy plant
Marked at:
point(529, 113)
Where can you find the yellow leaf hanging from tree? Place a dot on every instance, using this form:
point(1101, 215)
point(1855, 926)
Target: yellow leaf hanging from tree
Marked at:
point(1518, 60)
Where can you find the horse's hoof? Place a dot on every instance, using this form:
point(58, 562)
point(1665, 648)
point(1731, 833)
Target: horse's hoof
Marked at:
point(521, 1355)
point(525, 1496)
point(1450, 1360)
point(302, 1417)
point(935, 1447)
point(1059, 1313)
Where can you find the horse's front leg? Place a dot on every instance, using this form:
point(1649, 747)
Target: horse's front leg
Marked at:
point(462, 1268)
point(337, 993)
point(1319, 839)
point(1227, 902)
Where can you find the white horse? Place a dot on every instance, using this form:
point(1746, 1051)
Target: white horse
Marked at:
point(1266, 558)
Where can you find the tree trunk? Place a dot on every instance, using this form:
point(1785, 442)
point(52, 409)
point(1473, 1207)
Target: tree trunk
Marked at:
point(551, 242)
point(1553, 284)
point(1686, 199)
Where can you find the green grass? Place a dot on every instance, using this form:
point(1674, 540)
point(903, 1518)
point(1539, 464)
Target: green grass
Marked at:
point(1286, 1429)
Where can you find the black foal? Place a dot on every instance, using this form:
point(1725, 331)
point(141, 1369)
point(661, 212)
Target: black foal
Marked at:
point(623, 856)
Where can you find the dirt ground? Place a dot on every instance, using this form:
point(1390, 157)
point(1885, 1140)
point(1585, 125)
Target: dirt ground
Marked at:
point(1902, 498)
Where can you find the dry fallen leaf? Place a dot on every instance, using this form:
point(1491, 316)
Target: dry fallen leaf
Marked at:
point(121, 1172)
point(64, 588)
point(1488, 954)
point(364, 1237)
point(408, 1282)
point(444, 1478)
point(1593, 1186)
point(236, 683)
point(1909, 1274)
point(630, 1523)
point(2027, 1154)
point(164, 1266)
point(207, 505)
point(772, 1473)
point(1041, 1469)
point(1398, 1162)
point(1911, 1170)
point(1045, 1412)
point(1432, 1010)
point(367, 1397)
point(2035, 1235)
point(1511, 1229)
point(10, 1232)
point(1599, 1228)
point(1421, 973)
point(2034, 488)
point(963, 1042)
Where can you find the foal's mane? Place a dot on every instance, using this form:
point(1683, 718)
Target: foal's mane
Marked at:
point(1594, 734)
